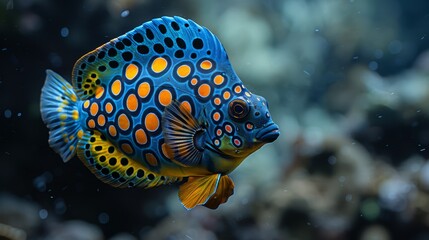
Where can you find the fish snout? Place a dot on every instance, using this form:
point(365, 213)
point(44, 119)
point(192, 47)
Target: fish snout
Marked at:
point(268, 133)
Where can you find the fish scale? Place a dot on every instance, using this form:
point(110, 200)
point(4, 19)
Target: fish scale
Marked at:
point(165, 98)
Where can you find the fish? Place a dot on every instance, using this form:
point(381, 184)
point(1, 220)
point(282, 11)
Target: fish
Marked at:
point(158, 105)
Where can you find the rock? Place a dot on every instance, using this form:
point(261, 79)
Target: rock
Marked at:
point(74, 230)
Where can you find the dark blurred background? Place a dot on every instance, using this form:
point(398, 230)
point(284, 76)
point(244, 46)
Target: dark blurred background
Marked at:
point(347, 81)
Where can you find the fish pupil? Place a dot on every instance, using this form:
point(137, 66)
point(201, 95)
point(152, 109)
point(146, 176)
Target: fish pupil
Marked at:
point(238, 109)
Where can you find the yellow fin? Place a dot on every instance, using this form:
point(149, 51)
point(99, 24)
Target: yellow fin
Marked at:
point(198, 190)
point(224, 190)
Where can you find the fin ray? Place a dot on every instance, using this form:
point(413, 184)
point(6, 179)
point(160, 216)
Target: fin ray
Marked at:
point(224, 190)
point(198, 190)
point(180, 128)
point(59, 111)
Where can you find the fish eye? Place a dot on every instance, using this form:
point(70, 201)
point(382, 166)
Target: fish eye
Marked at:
point(238, 109)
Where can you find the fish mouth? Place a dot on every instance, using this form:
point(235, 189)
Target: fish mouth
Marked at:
point(268, 133)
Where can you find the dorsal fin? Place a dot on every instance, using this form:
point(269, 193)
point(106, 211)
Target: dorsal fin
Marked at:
point(126, 57)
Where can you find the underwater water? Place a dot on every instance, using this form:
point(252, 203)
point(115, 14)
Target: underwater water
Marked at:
point(346, 81)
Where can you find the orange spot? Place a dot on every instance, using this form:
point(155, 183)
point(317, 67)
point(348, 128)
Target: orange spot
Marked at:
point(218, 132)
point(131, 71)
point(143, 90)
point(151, 122)
point(94, 109)
point(80, 134)
point(75, 114)
point(141, 137)
point(99, 92)
point(194, 81)
point(204, 90)
point(237, 89)
point(116, 87)
point(228, 128)
point(166, 150)
point(159, 64)
point(186, 105)
point(91, 123)
point(151, 159)
point(216, 116)
point(206, 65)
point(86, 104)
point(101, 120)
point(123, 122)
point(249, 126)
point(127, 148)
point(132, 102)
point(165, 97)
point(218, 80)
point(112, 131)
point(73, 97)
point(217, 101)
point(226, 95)
point(183, 71)
point(109, 107)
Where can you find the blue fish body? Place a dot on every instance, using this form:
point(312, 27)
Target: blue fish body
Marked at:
point(157, 105)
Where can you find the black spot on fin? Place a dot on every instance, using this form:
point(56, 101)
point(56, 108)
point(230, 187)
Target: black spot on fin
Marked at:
point(113, 167)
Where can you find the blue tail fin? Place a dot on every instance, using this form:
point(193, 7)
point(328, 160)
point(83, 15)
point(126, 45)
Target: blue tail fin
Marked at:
point(59, 109)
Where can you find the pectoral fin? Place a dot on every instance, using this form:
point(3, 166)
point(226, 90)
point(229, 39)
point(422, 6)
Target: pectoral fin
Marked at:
point(183, 135)
point(210, 191)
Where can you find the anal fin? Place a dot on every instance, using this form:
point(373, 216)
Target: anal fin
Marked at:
point(113, 167)
point(210, 191)
point(224, 190)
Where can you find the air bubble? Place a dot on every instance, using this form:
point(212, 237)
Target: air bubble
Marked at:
point(378, 54)
point(60, 206)
point(43, 213)
point(125, 13)
point(332, 160)
point(349, 197)
point(103, 218)
point(7, 113)
point(55, 59)
point(373, 65)
point(395, 47)
point(64, 32)
point(40, 182)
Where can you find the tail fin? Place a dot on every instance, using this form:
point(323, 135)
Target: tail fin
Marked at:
point(59, 109)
